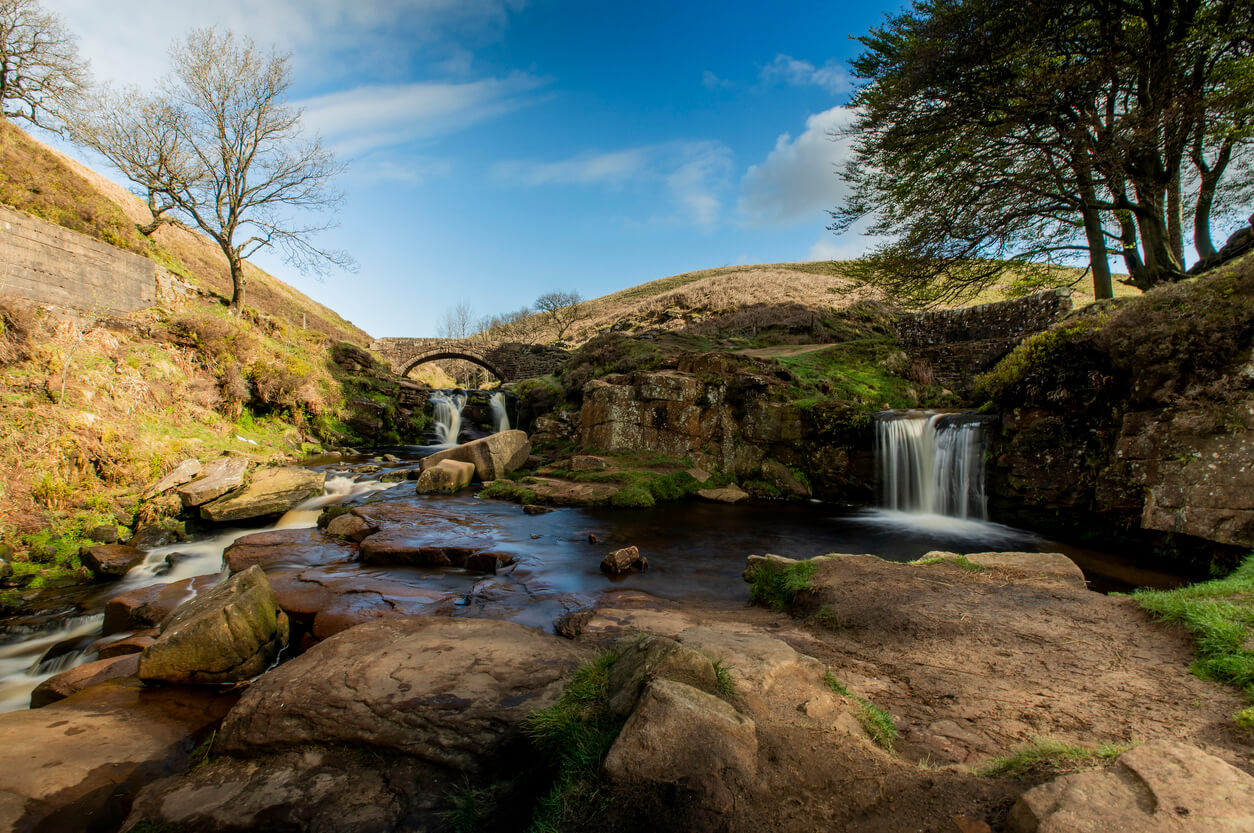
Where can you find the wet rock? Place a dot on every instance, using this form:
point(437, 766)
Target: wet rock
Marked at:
point(104, 534)
point(286, 548)
point(572, 623)
point(218, 477)
point(536, 509)
point(270, 492)
point(109, 647)
point(493, 456)
point(626, 560)
point(145, 607)
point(81, 677)
point(445, 477)
point(593, 538)
point(151, 536)
point(727, 494)
point(326, 600)
point(680, 732)
point(184, 472)
point(782, 478)
point(113, 560)
point(1160, 787)
point(6, 569)
point(352, 526)
point(653, 657)
point(587, 462)
point(76, 764)
point(231, 633)
point(450, 691)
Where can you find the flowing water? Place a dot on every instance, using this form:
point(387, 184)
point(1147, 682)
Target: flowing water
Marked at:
point(696, 551)
point(447, 408)
point(500, 416)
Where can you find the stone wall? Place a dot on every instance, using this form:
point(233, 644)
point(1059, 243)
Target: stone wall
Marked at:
point(508, 361)
point(959, 344)
point(48, 264)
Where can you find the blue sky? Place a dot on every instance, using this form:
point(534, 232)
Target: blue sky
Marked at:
point(500, 149)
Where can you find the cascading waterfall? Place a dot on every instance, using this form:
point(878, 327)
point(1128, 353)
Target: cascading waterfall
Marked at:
point(930, 463)
point(500, 417)
point(448, 406)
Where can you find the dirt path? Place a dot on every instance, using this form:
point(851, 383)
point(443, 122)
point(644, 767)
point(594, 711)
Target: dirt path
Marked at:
point(783, 350)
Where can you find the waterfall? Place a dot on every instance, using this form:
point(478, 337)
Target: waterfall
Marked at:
point(930, 463)
point(448, 415)
point(500, 418)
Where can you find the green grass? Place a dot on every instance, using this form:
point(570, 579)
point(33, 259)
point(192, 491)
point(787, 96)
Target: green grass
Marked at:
point(960, 560)
point(1051, 756)
point(865, 371)
point(876, 722)
point(574, 734)
point(777, 587)
point(509, 490)
point(1220, 615)
point(723, 679)
point(471, 808)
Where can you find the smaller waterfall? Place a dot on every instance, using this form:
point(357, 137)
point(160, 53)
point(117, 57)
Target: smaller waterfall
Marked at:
point(500, 417)
point(448, 415)
point(931, 463)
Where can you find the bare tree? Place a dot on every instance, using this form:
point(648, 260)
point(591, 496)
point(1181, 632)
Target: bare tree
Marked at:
point(456, 322)
point(41, 72)
point(561, 309)
point(521, 325)
point(219, 147)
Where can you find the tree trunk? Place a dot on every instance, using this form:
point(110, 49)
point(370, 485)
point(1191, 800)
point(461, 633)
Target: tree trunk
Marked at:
point(1209, 176)
point(1161, 264)
point(237, 283)
point(1175, 218)
point(1102, 286)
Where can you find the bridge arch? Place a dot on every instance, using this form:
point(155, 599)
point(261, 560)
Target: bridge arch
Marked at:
point(507, 361)
point(437, 355)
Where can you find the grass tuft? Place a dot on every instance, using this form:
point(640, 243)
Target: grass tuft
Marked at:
point(1050, 756)
point(723, 679)
point(778, 587)
point(876, 722)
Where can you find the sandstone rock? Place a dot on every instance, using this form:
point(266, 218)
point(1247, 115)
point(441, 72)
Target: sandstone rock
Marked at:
point(754, 563)
point(229, 634)
point(587, 462)
point(449, 691)
point(6, 569)
point(677, 732)
point(572, 623)
point(146, 607)
point(114, 560)
point(108, 647)
point(782, 478)
point(76, 764)
point(655, 658)
point(270, 492)
point(626, 560)
point(104, 534)
point(83, 676)
point(536, 509)
point(411, 547)
point(1160, 787)
point(352, 526)
point(727, 494)
point(327, 600)
point(219, 477)
point(1053, 565)
point(151, 536)
point(445, 477)
point(493, 456)
point(287, 548)
point(184, 472)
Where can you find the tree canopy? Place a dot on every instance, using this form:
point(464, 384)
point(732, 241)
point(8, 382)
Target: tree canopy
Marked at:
point(990, 130)
point(41, 72)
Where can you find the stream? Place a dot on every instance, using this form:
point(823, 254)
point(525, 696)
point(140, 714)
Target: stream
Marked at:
point(696, 551)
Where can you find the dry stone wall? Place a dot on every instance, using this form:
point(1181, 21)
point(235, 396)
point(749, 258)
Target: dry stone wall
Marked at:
point(47, 264)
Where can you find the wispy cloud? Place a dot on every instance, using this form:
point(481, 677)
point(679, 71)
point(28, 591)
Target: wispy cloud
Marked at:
point(694, 176)
point(798, 179)
point(370, 117)
point(787, 70)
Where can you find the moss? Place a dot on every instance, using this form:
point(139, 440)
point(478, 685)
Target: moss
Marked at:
point(959, 560)
point(508, 490)
point(777, 586)
point(635, 496)
point(865, 372)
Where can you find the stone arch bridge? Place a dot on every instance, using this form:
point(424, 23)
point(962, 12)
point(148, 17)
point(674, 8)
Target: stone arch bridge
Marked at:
point(506, 360)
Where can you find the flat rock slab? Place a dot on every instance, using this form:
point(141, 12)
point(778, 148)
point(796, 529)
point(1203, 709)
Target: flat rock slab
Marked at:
point(76, 764)
point(283, 548)
point(327, 600)
point(448, 691)
point(727, 494)
point(112, 560)
point(1161, 787)
point(184, 472)
point(146, 607)
point(270, 492)
point(82, 677)
point(218, 477)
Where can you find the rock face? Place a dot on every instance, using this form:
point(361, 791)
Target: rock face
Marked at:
point(447, 691)
point(656, 658)
point(113, 560)
point(1160, 787)
point(218, 477)
point(270, 492)
point(445, 477)
point(146, 607)
point(493, 456)
point(81, 677)
point(229, 634)
point(625, 560)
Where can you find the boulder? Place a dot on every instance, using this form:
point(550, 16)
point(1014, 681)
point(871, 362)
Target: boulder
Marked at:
point(229, 634)
point(782, 478)
point(1160, 787)
point(678, 732)
point(536, 509)
point(287, 548)
point(754, 563)
point(626, 560)
point(184, 472)
point(352, 526)
point(446, 690)
point(218, 477)
point(327, 600)
point(104, 534)
point(652, 658)
point(113, 560)
point(493, 456)
point(270, 492)
point(76, 764)
point(146, 607)
point(108, 647)
point(727, 494)
point(587, 462)
point(6, 569)
point(80, 677)
point(445, 477)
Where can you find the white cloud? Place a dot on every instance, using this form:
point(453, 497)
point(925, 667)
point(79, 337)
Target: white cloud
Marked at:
point(369, 117)
point(798, 179)
point(785, 69)
point(694, 175)
point(712, 82)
